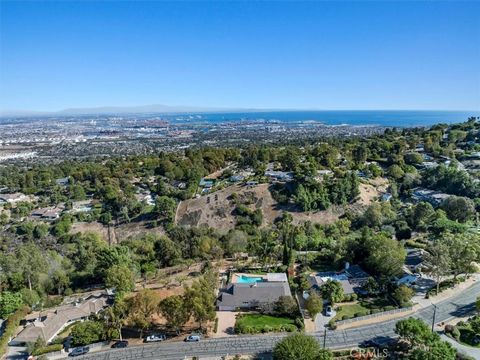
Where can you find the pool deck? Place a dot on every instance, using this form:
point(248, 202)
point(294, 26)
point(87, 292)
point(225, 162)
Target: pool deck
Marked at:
point(236, 276)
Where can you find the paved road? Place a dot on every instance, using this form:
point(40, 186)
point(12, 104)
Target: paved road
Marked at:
point(457, 306)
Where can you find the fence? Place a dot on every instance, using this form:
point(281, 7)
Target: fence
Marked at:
point(372, 316)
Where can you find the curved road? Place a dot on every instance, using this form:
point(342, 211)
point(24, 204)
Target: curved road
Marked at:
point(456, 306)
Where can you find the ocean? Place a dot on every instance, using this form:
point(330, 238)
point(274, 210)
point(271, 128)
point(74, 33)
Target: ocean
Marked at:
point(393, 118)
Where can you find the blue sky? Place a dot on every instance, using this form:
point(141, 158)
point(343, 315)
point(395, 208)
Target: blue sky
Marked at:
point(312, 55)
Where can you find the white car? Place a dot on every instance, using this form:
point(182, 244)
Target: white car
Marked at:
point(155, 338)
point(190, 338)
point(328, 311)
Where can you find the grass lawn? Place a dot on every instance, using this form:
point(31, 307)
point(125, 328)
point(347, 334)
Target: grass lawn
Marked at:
point(349, 310)
point(259, 321)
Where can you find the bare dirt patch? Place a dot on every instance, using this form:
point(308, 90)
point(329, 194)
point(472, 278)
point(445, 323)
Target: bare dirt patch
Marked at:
point(116, 234)
point(217, 209)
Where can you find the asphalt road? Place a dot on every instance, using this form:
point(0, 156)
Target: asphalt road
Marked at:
point(457, 306)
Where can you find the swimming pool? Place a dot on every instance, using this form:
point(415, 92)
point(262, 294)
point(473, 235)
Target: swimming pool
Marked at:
point(249, 279)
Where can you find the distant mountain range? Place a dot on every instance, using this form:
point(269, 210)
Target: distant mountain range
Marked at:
point(155, 108)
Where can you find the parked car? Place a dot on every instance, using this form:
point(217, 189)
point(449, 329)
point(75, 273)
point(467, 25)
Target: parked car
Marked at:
point(370, 344)
point(120, 344)
point(82, 350)
point(156, 338)
point(378, 343)
point(328, 311)
point(190, 338)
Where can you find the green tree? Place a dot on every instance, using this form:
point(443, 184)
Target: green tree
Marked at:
point(286, 306)
point(88, 332)
point(30, 297)
point(437, 350)
point(121, 278)
point(424, 343)
point(413, 158)
point(114, 317)
point(458, 208)
point(438, 262)
point(395, 172)
point(403, 294)
point(174, 310)
point(414, 331)
point(463, 251)
point(141, 307)
point(314, 305)
point(332, 291)
point(9, 303)
point(386, 256)
point(200, 299)
point(165, 208)
point(167, 251)
point(300, 346)
point(31, 263)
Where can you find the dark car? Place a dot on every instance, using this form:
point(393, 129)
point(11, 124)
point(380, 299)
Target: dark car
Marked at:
point(377, 343)
point(120, 344)
point(82, 350)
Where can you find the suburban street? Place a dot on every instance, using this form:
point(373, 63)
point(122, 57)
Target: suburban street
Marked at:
point(456, 306)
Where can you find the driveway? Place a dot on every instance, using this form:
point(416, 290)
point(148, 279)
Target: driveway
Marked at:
point(321, 321)
point(226, 323)
point(17, 353)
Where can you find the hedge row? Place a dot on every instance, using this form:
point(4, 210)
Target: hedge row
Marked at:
point(12, 322)
point(47, 349)
point(351, 297)
point(265, 329)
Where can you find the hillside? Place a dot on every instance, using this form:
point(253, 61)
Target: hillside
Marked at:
point(216, 210)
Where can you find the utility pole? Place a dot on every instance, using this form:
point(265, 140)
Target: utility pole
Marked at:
point(434, 314)
point(324, 337)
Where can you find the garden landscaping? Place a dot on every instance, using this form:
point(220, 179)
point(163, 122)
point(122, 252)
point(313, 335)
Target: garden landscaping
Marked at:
point(466, 333)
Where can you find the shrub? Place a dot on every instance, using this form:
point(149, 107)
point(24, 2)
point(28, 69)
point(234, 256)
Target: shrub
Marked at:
point(300, 346)
point(250, 330)
point(12, 322)
point(47, 349)
point(299, 323)
point(267, 329)
point(388, 308)
point(216, 324)
point(456, 333)
point(88, 332)
point(361, 313)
